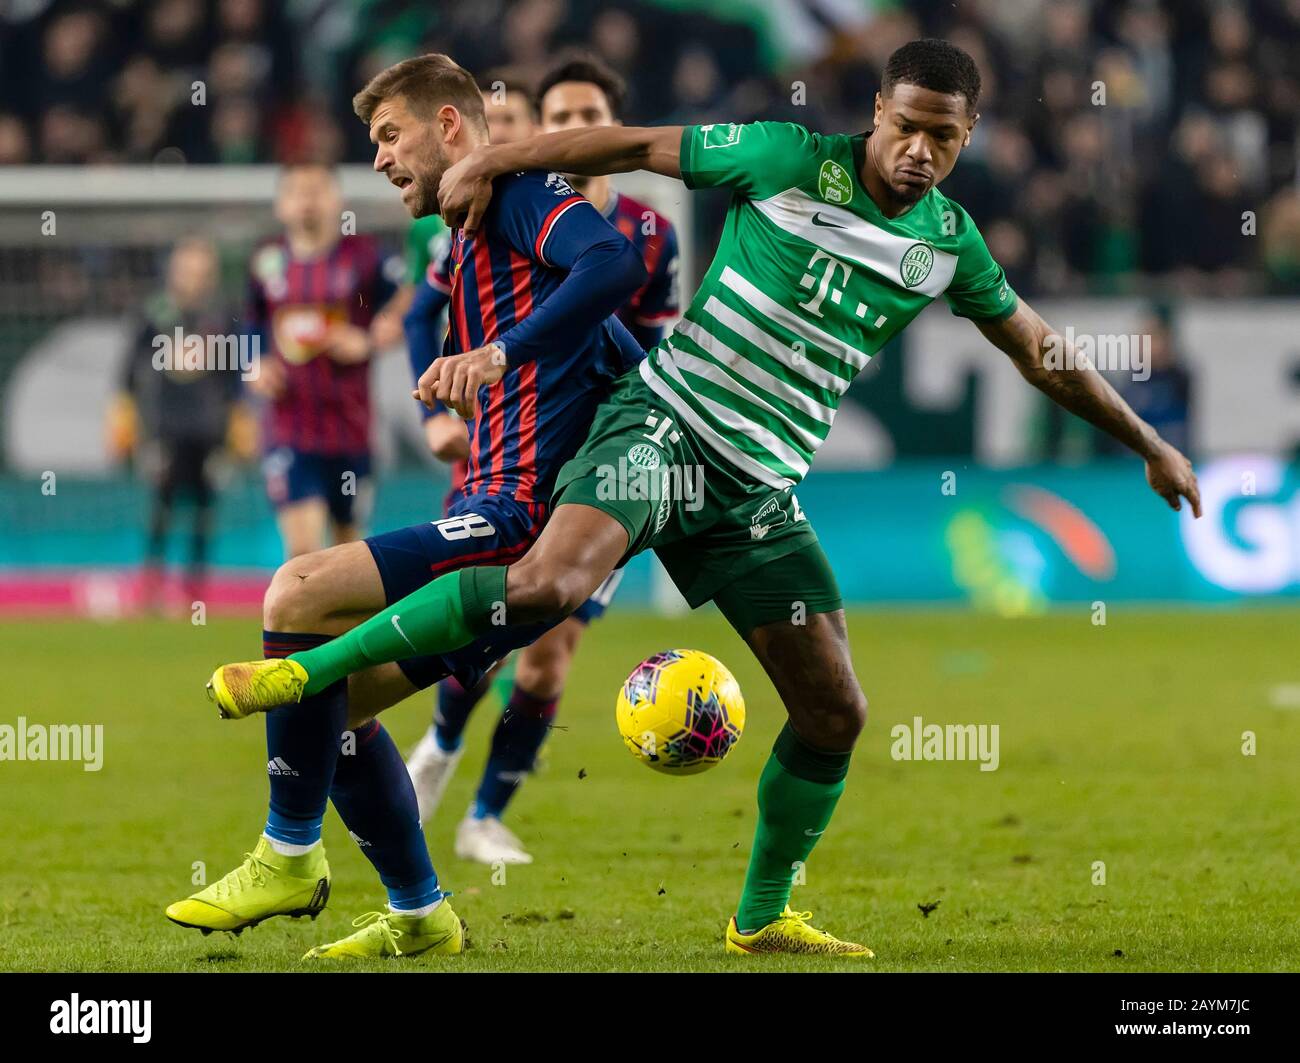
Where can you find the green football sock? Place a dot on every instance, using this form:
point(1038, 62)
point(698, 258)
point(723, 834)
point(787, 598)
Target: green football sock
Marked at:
point(444, 615)
point(797, 793)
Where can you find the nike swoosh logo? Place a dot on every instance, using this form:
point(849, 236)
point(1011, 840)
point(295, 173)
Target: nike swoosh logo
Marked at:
point(814, 833)
point(817, 219)
point(403, 634)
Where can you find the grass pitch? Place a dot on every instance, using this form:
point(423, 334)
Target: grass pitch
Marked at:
point(1119, 746)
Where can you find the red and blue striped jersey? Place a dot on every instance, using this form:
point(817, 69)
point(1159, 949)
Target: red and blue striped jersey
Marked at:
point(656, 303)
point(563, 350)
point(292, 302)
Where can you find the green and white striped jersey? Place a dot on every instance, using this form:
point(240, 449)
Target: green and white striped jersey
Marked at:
point(810, 280)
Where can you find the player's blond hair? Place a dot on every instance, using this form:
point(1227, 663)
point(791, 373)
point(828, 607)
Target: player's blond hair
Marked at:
point(426, 83)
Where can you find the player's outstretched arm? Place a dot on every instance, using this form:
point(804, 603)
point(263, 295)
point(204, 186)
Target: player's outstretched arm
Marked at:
point(1026, 338)
point(466, 188)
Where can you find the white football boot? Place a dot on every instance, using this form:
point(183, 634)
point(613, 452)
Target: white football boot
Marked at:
point(489, 841)
point(431, 768)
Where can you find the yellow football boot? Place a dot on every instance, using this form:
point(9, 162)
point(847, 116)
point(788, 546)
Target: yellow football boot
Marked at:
point(256, 686)
point(790, 934)
point(266, 884)
point(383, 934)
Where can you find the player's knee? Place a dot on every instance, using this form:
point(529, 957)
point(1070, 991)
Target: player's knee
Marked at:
point(542, 680)
point(289, 603)
point(845, 713)
point(543, 673)
point(833, 720)
point(535, 595)
point(855, 711)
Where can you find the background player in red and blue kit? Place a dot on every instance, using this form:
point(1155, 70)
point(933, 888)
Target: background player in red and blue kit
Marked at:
point(534, 288)
point(314, 295)
point(575, 93)
point(582, 93)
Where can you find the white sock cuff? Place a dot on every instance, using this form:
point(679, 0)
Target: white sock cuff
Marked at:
point(416, 912)
point(290, 848)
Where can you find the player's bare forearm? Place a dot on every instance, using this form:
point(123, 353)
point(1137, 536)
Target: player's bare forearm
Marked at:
point(592, 152)
point(466, 188)
point(1075, 385)
point(1025, 338)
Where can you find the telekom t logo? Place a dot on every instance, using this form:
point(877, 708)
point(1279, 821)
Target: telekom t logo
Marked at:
point(831, 267)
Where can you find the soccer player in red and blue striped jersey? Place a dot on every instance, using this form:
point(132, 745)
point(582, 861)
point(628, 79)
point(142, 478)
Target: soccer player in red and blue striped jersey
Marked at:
point(313, 297)
point(575, 93)
point(532, 293)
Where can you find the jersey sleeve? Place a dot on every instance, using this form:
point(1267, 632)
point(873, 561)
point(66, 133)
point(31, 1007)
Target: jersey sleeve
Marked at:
point(546, 221)
point(979, 288)
point(438, 273)
point(756, 159)
point(658, 301)
point(422, 326)
point(529, 215)
point(386, 275)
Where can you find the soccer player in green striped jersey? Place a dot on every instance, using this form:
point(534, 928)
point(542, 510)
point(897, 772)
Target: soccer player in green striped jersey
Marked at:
point(832, 245)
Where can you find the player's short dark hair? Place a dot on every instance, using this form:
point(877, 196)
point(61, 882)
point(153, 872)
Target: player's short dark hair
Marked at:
point(591, 71)
point(426, 83)
point(508, 81)
point(934, 64)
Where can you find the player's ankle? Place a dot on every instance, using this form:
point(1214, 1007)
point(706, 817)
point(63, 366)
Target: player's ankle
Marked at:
point(444, 743)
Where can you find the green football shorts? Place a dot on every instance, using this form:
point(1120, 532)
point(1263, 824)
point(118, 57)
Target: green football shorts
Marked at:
point(722, 536)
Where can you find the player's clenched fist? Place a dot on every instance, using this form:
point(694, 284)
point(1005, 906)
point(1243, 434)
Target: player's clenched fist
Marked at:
point(454, 379)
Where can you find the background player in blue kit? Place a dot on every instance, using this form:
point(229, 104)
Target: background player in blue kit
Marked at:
point(534, 289)
point(575, 93)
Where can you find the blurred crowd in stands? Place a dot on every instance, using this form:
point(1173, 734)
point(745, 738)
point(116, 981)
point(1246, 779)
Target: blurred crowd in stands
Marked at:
point(1123, 145)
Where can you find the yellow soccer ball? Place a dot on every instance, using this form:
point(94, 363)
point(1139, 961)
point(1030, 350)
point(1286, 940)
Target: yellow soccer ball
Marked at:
point(680, 712)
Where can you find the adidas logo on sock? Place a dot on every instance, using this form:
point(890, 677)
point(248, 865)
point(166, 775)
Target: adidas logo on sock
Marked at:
point(278, 766)
point(356, 837)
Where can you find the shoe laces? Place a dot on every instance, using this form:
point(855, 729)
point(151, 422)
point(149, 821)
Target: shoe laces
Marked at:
point(266, 682)
point(252, 872)
point(383, 924)
point(802, 919)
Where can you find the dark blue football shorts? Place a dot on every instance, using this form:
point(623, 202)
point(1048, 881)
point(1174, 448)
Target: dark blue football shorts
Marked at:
point(341, 481)
point(479, 529)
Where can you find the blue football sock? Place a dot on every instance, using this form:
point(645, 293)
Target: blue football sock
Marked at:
point(375, 799)
point(522, 729)
point(455, 703)
point(302, 748)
